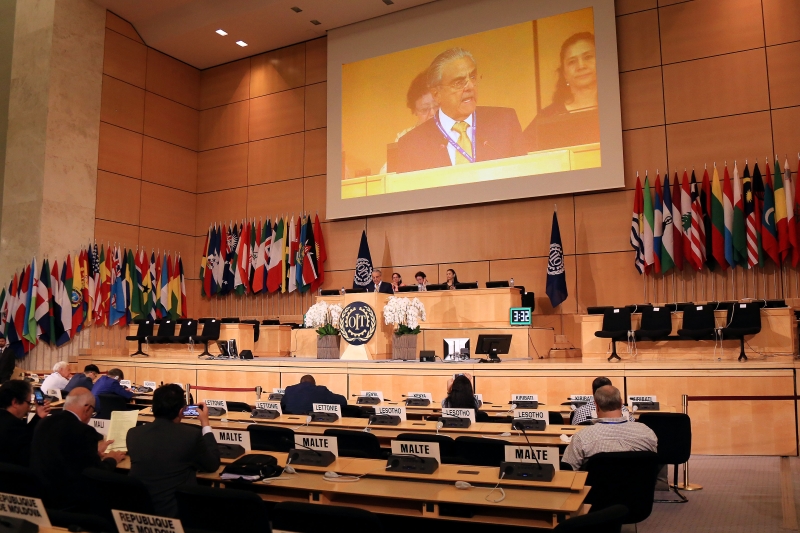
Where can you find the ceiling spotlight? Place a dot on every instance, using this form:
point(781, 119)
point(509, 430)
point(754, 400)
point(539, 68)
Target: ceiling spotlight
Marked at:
point(296, 9)
point(222, 32)
point(315, 22)
point(388, 2)
point(241, 43)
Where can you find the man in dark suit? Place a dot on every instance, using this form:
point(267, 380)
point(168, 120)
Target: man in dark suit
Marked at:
point(63, 446)
point(109, 384)
point(8, 361)
point(16, 432)
point(300, 399)
point(85, 380)
point(378, 285)
point(167, 454)
point(460, 132)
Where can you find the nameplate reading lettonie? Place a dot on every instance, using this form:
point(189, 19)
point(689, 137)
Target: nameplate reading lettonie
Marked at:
point(30, 509)
point(333, 408)
point(227, 436)
point(219, 404)
point(271, 406)
point(145, 523)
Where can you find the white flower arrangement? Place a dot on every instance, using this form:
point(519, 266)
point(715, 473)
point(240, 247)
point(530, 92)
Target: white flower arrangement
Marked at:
point(323, 317)
point(404, 314)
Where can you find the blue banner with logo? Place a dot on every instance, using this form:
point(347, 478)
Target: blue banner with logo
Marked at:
point(363, 277)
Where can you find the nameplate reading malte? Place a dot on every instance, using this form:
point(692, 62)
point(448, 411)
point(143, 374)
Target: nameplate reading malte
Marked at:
point(357, 323)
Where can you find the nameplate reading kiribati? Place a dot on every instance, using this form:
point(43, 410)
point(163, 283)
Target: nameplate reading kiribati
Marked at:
point(145, 523)
point(278, 390)
point(357, 323)
point(420, 449)
point(459, 413)
point(581, 398)
point(227, 436)
point(398, 410)
point(30, 509)
point(525, 454)
point(525, 401)
point(317, 442)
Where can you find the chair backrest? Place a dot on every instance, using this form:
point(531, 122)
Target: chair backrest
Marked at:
point(657, 318)
point(166, 328)
point(189, 327)
point(112, 402)
point(145, 328)
point(447, 446)
point(674, 433)
point(239, 407)
point(744, 316)
point(356, 443)
point(19, 480)
point(698, 317)
point(609, 520)
point(222, 510)
point(554, 417)
point(211, 330)
point(230, 320)
point(481, 452)
point(270, 438)
point(623, 478)
point(617, 319)
point(119, 491)
point(313, 518)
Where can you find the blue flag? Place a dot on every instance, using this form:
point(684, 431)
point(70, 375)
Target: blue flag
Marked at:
point(363, 277)
point(556, 278)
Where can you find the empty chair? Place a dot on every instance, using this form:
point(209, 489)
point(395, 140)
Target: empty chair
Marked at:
point(239, 407)
point(674, 433)
point(144, 330)
point(616, 325)
point(554, 417)
point(117, 491)
point(656, 324)
point(80, 522)
point(447, 446)
point(275, 321)
point(639, 308)
point(230, 320)
point(623, 478)
point(221, 510)
point(187, 331)
point(598, 310)
point(481, 452)
point(19, 480)
point(211, 329)
point(742, 320)
point(166, 330)
point(313, 518)
point(270, 438)
point(609, 520)
point(356, 444)
point(698, 322)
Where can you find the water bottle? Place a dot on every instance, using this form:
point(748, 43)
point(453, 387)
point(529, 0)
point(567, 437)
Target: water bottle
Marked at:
point(342, 291)
point(511, 282)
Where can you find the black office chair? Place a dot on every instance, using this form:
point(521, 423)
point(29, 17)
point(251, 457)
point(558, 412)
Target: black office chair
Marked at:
point(275, 321)
point(230, 320)
point(357, 444)
point(313, 518)
point(166, 330)
point(639, 308)
point(211, 331)
point(742, 320)
point(481, 452)
point(187, 331)
point(357, 411)
point(222, 510)
point(112, 402)
point(144, 330)
point(255, 328)
point(598, 310)
point(270, 438)
point(609, 520)
point(447, 446)
point(19, 480)
point(698, 322)
point(674, 432)
point(239, 407)
point(117, 491)
point(656, 324)
point(616, 325)
point(623, 478)
point(554, 417)
point(80, 522)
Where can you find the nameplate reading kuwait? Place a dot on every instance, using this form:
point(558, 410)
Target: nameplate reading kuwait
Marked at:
point(420, 449)
point(30, 509)
point(144, 523)
point(317, 442)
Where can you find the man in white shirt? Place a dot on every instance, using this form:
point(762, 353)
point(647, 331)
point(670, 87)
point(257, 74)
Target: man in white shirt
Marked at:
point(58, 379)
point(589, 410)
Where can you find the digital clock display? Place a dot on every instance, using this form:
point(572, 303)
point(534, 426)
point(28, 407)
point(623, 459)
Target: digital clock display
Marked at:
point(520, 316)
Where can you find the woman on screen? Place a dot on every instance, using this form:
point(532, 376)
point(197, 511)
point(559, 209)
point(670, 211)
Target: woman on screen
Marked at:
point(452, 279)
point(571, 118)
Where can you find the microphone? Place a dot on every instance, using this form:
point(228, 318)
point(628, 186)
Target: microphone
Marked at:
point(308, 421)
point(439, 426)
point(535, 455)
point(308, 448)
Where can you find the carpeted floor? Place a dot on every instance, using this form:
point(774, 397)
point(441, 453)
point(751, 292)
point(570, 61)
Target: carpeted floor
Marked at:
point(740, 495)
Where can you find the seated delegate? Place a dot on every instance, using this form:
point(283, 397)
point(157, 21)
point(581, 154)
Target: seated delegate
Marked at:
point(460, 395)
point(16, 431)
point(85, 380)
point(299, 399)
point(109, 384)
point(589, 410)
point(58, 379)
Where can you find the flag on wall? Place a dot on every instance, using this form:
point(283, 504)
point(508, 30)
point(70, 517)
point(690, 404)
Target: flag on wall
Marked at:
point(203, 263)
point(64, 304)
point(301, 229)
point(10, 331)
point(698, 227)
point(275, 275)
point(55, 289)
point(686, 219)
point(667, 233)
point(677, 225)
point(636, 227)
point(184, 306)
point(44, 317)
point(769, 232)
point(260, 267)
point(29, 325)
point(76, 296)
point(705, 202)
point(556, 287)
point(717, 221)
point(739, 231)
point(174, 289)
point(363, 276)
point(255, 237)
point(241, 276)
point(291, 255)
point(658, 224)
point(748, 201)
point(321, 254)
point(758, 194)
point(648, 221)
point(781, 218)
point(791, 214)
point(310, 266)
point(727, 213)
point(267, 232)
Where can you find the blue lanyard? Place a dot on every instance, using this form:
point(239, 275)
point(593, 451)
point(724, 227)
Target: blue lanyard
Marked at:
point(455, 144)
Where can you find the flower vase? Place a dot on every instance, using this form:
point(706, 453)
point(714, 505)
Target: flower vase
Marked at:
point(328, 346)
point(404, 347)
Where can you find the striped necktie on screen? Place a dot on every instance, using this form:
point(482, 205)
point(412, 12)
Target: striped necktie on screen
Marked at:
point(463, 141)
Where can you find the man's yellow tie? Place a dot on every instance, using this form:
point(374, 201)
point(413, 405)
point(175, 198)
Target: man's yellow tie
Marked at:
point(463, 141)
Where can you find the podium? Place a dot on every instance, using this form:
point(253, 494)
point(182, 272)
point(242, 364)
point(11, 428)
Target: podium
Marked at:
point(380, 345)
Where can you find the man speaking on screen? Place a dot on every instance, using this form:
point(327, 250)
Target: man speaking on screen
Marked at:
point(461, 132)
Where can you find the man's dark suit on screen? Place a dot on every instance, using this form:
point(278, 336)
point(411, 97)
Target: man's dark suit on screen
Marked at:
point(299, 399)
point(497, 135)
point(165, 455)
point(16, 435)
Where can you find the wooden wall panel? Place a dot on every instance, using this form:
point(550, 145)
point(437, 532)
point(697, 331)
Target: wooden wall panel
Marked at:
point(122, 26)
point(626, 7)
point(316, 106)
point(106, 232)
point(125, 59)
point(551, 391)
point(608, 279)
point(276, 159)
point(117, 198)
point(786, 134)
point(167, 209)
point(278, 70)
point(314, 196)
point(273, 199)
point(277, 114)
point(316, 152)
point(637, 41)
point(784, 80)
point(316, 61)
point(717, 92)
point(198, 306)
point(341, 241)
point(531, 273)
point(642, 98)
point(170, 121)
point(173, 243)
point(225, 84)
point(223, 168)
point(224, 125)
point(467, 272)
point(776, 15)
point(169, 165)
point(173, 79)
point(219, 206)
point(644, 149)
point(338, 278)
point(235, 379)
point(160, 374)
point(612, 209)
point(120, 151)
point(122, 104)
point(703, 28)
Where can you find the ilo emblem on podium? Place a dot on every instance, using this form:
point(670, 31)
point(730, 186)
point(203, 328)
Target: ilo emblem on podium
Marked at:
point(357, 325)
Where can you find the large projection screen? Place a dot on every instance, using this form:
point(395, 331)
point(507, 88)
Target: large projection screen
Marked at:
point(471, 101)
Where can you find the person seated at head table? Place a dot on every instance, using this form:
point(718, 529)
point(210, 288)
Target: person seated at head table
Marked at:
point(460, 395)
point(397, 282)
point(63, 446)
point(58, 379)
point(451, 278)
point(109, 384)
point(300, 399)
point(85, 380)
point(422, 280)
point(167, 454)
point(16, 431)
point(588, 411)
point(8, 360)
point(613, 432)
point(377, 285)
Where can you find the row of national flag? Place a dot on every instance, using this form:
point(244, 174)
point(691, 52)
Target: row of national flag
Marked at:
point(738, 219)
point(104, 287)
point(252, 257)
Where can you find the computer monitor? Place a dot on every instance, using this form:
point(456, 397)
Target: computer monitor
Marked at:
point(496, 284)
point(329, 292)
point(493, 345)
point(454, 349)
point(228, 349)
point(355, 291)
point(409, 288)
point(467, 285)
point(436, 287)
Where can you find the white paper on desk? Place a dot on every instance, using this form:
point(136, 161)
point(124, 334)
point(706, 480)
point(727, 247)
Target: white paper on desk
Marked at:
point(121, 423)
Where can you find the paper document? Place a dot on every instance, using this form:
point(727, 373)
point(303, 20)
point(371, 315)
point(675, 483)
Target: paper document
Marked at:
point(121, 422)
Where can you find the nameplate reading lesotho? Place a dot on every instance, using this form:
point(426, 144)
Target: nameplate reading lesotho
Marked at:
point(317, 442)
point(128, 522)
point(227, 436)
point(273, 406)
point(525, 454)
point(328, 408)
point(398, 410)
point(30, 509)
point(532, 414)
point(459, 413)
point(420, 449)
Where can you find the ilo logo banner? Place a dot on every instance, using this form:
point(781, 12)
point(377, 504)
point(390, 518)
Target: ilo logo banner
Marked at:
point(357, 323)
